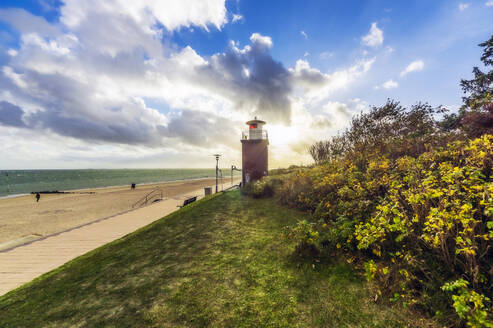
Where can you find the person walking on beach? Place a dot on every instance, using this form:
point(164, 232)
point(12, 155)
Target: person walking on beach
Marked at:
point(38, 196)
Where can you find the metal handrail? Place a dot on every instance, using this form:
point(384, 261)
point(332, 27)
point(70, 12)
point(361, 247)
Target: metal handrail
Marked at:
point(149, 197)
point(233, 168)
point(254, 134)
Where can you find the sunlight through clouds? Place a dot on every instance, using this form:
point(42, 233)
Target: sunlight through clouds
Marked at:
point(148, 75)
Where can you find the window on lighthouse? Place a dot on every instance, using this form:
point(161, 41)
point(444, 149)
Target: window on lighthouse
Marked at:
point(253, 126)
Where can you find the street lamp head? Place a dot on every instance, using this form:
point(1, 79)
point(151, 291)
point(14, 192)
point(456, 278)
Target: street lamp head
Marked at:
point(217, 156)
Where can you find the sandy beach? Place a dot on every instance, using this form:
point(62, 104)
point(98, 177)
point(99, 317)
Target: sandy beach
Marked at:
point(23, 216)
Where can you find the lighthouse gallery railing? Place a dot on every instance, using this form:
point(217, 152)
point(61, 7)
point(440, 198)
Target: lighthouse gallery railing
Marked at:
point(254, 134)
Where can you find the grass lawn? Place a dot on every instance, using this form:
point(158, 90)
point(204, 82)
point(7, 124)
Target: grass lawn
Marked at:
point(220, 262)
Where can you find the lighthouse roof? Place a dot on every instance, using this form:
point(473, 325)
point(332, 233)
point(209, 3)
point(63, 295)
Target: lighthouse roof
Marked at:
point(255, 121)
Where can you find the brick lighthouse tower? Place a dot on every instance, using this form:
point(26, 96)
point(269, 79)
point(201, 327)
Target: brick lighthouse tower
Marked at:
point(254, 144)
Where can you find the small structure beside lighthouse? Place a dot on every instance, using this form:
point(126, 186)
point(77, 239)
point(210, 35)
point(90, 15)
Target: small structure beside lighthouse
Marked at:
point(254, 149)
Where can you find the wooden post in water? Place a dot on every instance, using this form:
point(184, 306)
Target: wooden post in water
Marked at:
point(7, 182)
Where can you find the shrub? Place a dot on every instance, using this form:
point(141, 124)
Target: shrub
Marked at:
point(415, 221)
point(262, 188)
point(468, 304)
point(390, 130)
point(306, 238)
point(295, 190)
point(441, 202)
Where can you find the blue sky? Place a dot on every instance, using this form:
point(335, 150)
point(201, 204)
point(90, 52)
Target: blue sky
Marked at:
point(167, 83)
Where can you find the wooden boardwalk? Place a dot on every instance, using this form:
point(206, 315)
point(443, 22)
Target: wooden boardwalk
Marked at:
point(22, 264)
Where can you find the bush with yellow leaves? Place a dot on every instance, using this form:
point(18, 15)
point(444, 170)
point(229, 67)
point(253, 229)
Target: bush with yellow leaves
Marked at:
point(418, 222)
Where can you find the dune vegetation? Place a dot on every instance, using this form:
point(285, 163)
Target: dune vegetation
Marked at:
point(407, 195)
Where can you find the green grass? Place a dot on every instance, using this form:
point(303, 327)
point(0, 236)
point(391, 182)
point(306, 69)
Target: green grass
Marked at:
point(220, 262)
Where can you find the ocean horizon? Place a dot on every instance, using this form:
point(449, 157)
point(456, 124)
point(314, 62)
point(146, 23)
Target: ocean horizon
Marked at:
point(19, 182)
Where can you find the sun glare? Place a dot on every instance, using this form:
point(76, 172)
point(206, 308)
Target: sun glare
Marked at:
point(282, 135)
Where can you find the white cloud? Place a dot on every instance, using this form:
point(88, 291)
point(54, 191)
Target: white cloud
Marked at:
point(127, 24)
point(304, 34)
point(318, 86)
point(390, 84)
point(261, 39)
point(374, 38)
point(306, 54)
point(18, 79)
point(389, 49)
point(12, 52)
point(464, 6)
point(414, 66)
point(237, 18)
point(52, 46)
point(172, 14)
point(489, 3)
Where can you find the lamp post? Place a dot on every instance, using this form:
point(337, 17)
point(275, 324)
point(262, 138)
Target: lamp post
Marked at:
point(217, 167)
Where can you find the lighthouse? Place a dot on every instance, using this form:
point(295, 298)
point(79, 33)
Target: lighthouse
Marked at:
point(254, 149)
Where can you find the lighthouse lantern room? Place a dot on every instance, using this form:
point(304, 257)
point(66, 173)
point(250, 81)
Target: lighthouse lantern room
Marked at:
point(254, 146)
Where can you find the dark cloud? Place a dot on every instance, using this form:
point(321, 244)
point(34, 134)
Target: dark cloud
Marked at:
point(81, 128)
point(309, 76)
point(11, 115)
point(201, 129)
point(78, 127)
point(68, 108)
point(252, 79)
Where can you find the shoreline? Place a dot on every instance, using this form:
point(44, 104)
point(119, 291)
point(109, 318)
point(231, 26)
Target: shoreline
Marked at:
point(22, 216)
point(121, 186)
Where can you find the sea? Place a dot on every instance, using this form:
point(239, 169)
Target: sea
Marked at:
point(19, 182)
